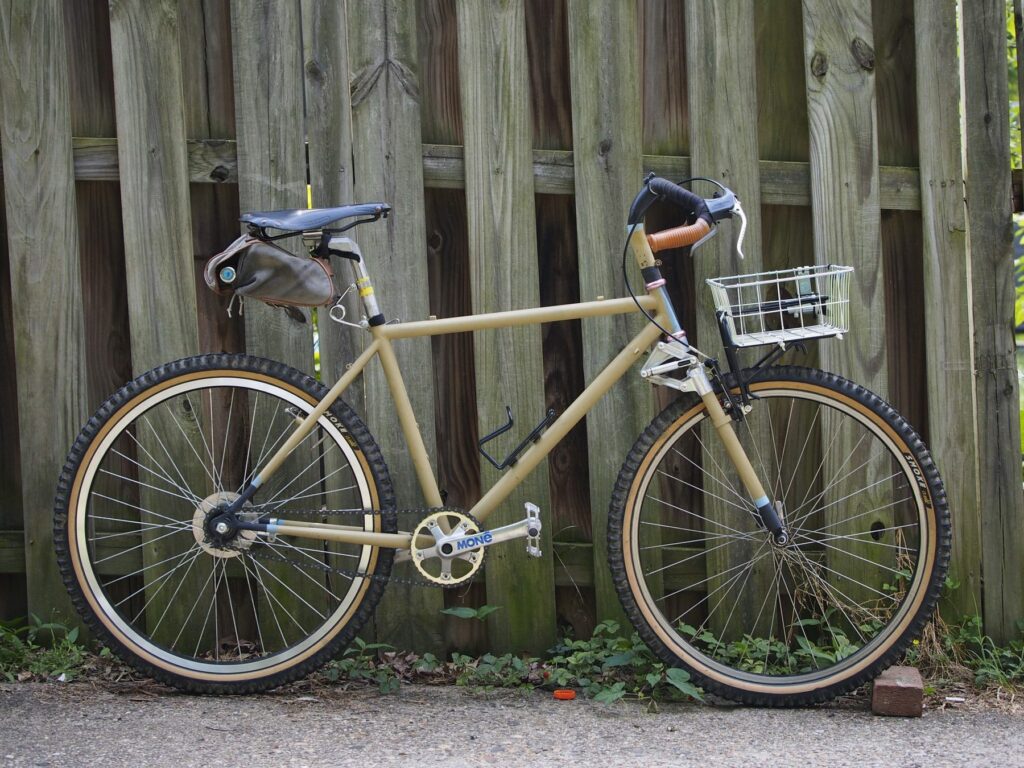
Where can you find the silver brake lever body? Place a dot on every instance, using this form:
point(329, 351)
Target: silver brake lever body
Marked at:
point(738, 210)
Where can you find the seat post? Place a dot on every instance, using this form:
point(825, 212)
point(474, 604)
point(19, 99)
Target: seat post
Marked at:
point(347, 245)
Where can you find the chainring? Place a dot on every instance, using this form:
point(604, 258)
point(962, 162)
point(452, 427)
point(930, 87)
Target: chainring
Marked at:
point(439, 561)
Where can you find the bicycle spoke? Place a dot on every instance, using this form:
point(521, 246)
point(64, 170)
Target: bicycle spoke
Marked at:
point(121, 552)
point(227, 433)
point(305, 573)
point(699, 517)
point(687, 559)
point(724, 483)
point(270, 603)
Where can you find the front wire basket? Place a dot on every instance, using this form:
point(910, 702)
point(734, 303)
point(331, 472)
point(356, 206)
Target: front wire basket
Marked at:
point(784, 306)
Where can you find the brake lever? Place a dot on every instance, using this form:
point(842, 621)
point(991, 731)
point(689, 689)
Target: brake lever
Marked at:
point(738, 210)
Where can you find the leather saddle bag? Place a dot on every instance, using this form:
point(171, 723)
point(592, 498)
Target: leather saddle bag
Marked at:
point(256, 269)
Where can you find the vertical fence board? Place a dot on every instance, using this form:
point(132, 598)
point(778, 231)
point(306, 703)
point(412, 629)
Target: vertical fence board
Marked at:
point(948, 342)
point(12, 578)
point(458, 465)
point(839, 76)
point(722, 85)
point(161, 284)
point(844, 176)
point(100, 228)
point(783, 133)
point(42, 236)
point(388, 166)
point(503, 269)
point(207, 81)
point(154, 185)
point(267, 52)
point(267, 59)
point(895, 88)
point(329, 131)
point(989, 234)
point(604, 65)
point(666, 118)
point(547, 41)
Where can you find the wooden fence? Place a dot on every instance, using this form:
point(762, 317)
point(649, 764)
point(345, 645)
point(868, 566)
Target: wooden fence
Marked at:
point(510, 136)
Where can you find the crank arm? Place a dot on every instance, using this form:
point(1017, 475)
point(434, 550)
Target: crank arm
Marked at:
point(527, 528)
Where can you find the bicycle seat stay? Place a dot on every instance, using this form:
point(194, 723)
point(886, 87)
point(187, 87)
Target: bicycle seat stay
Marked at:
point(302, 219)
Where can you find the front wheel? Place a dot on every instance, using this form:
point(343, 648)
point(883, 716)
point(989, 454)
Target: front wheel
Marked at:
point(139, 553)
point(784, 625)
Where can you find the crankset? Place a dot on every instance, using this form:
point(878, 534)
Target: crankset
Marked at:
point(455, 550)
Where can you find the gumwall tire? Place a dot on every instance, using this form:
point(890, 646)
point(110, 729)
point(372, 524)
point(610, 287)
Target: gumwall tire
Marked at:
point(270, 374)
point(894, 633)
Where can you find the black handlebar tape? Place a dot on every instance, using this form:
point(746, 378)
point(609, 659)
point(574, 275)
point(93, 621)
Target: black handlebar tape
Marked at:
point(693, 204)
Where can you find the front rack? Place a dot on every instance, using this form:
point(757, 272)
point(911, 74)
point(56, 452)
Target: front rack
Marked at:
point(789, 305)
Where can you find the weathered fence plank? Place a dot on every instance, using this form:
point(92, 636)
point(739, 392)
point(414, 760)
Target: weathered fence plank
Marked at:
point(666, 116)
point(604, 64)
point(388, 166)
point(154, 185)
point(948, 342)
point(49, 338)
point(988, 239)
point(844, 175)
point(266, 39)
point(458, 465)
point(722, 83)
point(208, 88)
point(503, 270)
point(329, 131)
point(547, 42)
point(839, 76)
point(267, 51)
point(155, 205)
point(100, 227)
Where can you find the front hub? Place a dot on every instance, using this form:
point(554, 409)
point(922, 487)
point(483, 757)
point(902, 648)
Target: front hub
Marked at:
point(216, 531)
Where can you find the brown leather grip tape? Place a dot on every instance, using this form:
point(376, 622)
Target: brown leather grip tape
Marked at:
point(679, 236)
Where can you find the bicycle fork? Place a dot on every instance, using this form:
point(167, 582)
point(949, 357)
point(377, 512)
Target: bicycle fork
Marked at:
point(673, 355)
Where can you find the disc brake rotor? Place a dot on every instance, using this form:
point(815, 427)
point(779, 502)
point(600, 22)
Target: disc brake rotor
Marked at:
point(435, 553)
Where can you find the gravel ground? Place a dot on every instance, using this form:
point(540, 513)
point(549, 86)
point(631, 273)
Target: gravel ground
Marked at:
point(144, 725)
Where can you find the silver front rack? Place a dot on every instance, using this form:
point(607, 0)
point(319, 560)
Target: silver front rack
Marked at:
point(784, 306)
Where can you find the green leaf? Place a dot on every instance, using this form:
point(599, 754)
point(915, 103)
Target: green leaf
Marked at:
point(610, 695)
point(620, 659)
point(680, 678)
point(462, 611)
point(486, 610)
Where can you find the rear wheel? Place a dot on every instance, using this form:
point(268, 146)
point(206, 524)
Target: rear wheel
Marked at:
point(706, 586)
point(138, 552)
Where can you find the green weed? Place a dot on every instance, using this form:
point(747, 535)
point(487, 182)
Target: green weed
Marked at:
point(40, 649)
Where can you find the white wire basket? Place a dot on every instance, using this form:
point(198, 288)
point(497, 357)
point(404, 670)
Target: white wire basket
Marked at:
point(785, 306)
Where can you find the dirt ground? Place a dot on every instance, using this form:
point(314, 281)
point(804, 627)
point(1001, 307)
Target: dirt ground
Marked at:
point(142, 724)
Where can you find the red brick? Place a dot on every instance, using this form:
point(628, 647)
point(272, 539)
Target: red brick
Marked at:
point(898, 692)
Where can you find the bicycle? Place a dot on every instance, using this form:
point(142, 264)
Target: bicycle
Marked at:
point(227, 524)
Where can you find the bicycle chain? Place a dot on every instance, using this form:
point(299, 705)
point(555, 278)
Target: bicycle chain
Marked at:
point(424, 512)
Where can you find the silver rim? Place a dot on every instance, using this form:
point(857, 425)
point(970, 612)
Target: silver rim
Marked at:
point(168, 596)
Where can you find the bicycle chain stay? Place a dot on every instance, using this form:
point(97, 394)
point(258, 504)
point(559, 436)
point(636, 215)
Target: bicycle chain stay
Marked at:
point(263, 553)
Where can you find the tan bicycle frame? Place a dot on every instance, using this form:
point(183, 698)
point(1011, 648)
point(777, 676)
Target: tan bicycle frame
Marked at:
point(381, 347)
